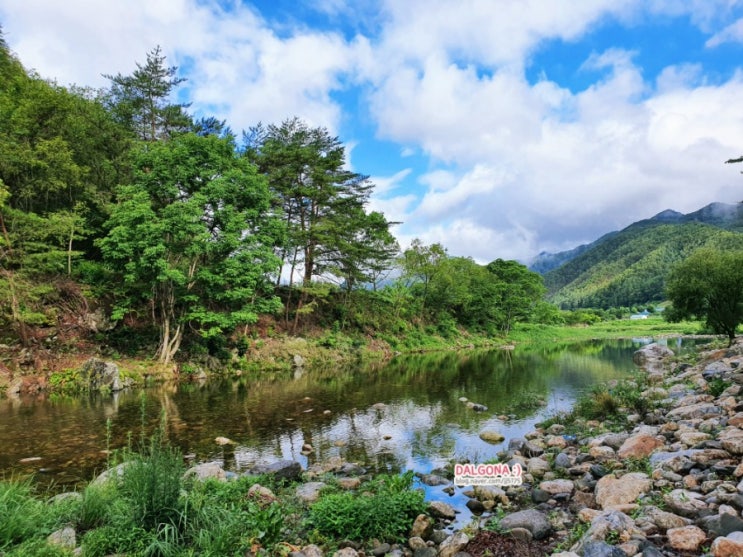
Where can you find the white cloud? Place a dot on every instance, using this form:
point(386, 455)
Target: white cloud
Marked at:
point(733, 33)
point(514, 167)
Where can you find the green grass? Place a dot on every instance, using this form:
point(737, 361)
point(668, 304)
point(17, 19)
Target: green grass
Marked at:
point(619, 328)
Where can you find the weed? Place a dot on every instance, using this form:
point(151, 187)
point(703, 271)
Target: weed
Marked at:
point(717, 386)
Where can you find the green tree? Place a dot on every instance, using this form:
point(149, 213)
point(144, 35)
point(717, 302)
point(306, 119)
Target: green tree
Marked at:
point(708, 285)
point(520, 291)
point(420, 265)
point(141, 101)
point(306, 170)
point(193, 239)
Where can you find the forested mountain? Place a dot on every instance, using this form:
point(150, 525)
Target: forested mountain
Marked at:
point(629, 267)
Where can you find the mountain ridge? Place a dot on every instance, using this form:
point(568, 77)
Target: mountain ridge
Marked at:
point(629, 266)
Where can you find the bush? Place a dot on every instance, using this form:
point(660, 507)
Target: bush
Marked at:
point(386, 513)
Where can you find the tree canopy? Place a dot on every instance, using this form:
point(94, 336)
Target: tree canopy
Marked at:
point(708, 285)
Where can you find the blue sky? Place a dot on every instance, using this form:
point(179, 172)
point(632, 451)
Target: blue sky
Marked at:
point(499, 128)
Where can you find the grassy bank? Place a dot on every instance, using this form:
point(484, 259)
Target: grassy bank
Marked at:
point(653, 326)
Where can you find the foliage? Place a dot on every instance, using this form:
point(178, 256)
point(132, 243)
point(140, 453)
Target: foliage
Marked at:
point(141, 103)
point(22, 514)
point(708, 285)
point(193, 237)
point(630, 267)
point(385, 513)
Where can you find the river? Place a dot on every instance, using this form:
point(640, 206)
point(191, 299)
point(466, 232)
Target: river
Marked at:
point(404, 415)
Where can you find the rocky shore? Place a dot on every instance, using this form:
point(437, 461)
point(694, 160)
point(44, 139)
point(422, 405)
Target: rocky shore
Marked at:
point(670, 483)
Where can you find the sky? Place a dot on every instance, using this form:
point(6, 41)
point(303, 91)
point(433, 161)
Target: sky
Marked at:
point(498, 128)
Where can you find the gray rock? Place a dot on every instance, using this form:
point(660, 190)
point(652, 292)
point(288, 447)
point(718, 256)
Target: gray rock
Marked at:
point(433, 479)
point(310, 491)
point(425, 552)
point(602, 549)
point(684, 502)
point(562, 460)
point(441, 509)
point(453, 544)
point(65, 538)
point(101, 375)
point(205, 471)
point(722, 524)
point(533, 520)
point(281, 470)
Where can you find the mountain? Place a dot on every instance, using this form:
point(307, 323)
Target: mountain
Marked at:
point(629, 267)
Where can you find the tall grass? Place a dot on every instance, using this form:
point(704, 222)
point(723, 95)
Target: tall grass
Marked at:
point(21, 515)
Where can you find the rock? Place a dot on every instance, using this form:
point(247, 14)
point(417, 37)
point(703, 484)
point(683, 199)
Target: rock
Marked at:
point(531, 449)
point(521, 534)
point(425, 552)
point(602, 549)
point(441, 509)
point(612, 491)
point(422, 527)
point(312, 551)
point(205, 471)
point(298, 360)
point(222, 441)
point(262, 495)
point(557, 487)
point(381, 549)
point(722, 524)
point(686, 538)
point(537, 467)
point(701, 410)
point(638, 446)
point(65, 538)
point(416, 543)
point(606, 522)
point(433, 479)
point(101, 375)
point(729, 546)
point(684, 502)
point(732, 440)
point(490, 436)
point(346, 552)
point(665, 520)
point(280, 470)
point(532, 520)
point(490, 493)
point(349, 483)
point(453, 544)
point(602, 453)
point(310, 491)
point(475, 506)
point(563, 460)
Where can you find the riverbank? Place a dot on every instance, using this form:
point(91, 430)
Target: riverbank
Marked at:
point(61, 368)
point(647, 467)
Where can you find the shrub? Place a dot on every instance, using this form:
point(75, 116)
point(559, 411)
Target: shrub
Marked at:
point(386, 513)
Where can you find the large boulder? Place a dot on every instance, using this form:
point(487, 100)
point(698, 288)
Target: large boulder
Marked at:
point(98, 375)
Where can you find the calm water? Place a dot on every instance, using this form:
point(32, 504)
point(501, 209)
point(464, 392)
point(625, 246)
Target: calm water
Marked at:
point(420, 425)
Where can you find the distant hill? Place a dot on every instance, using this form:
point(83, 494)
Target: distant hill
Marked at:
point(629, 267)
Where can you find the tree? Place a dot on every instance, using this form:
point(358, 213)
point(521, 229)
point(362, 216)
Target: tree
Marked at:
point(193, 239)
point(708, 285)
point(420, 265)
point(141, 101)
point(306, 170)
point(520, 290)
